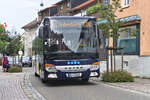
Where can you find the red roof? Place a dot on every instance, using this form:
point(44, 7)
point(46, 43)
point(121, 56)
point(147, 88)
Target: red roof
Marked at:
point(52, 6)
point(83, 4)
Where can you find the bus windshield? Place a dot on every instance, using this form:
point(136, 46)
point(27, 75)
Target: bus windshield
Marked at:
point(71, 36)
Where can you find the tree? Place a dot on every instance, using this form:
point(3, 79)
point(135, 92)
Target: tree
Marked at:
point(9, 45)
point(14, 46)
point(111, 27)
point(109, 24)
point(2, 29)
point(4, 38)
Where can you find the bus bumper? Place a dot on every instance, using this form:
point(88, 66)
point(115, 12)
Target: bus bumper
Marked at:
point(69, 75)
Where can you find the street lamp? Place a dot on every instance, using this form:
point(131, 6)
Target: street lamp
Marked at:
point(41, 4)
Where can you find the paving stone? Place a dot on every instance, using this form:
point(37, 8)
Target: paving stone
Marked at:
point(10, 86)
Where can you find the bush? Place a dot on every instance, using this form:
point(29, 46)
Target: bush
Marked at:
point(93, 9)
point(14, 69)
point(117, 76)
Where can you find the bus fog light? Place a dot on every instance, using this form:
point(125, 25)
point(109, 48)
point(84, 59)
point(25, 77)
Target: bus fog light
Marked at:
point(93, 74)
point(52, 76)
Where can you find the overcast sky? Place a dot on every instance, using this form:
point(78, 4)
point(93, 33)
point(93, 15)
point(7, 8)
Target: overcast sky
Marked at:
point(17, 13)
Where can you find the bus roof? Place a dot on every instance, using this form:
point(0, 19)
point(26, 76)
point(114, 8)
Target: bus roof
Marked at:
point(70, 17)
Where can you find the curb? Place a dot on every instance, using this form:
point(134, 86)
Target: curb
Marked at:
point(125, 87)
point(29, 91)
point(119, 86)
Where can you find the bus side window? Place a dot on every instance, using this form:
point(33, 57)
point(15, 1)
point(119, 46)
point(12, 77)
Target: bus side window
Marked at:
point(46, 28)
point(45, 32)
point(41, 32)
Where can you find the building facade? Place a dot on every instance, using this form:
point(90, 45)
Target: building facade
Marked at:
point(30, 30)
point(49, 11)
point(32, 26)
point(135, 40)
point(71, 7)
point(63, 7)
point(140, 9)
point(80, 10)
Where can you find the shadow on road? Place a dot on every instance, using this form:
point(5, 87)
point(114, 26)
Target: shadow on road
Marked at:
point(70, 82)
point(60, 83)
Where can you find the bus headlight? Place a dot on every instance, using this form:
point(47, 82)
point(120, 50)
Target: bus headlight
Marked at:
point(94, 67)
point(51, 69)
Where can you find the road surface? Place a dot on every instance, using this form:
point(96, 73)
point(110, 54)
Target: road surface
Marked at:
point(77, 90)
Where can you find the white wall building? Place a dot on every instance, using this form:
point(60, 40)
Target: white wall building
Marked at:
point(29, 33)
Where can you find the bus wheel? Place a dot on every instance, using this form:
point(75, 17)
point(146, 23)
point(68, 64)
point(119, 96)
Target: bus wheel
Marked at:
point(36, 74)
point(44, 80)
point(85, 79)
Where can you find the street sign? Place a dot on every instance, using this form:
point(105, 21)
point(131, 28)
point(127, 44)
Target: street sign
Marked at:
point(20, 53)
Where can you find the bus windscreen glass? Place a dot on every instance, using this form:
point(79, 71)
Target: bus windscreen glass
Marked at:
point(71, 36)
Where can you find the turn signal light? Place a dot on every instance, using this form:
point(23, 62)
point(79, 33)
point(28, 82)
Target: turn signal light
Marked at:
point(96, 63)
point(49, 65)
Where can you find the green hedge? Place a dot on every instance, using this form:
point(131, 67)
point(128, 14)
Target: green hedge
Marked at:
point(117, 76)
point(14, 69)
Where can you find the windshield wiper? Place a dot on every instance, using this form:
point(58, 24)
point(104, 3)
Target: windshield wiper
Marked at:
point(93, 57)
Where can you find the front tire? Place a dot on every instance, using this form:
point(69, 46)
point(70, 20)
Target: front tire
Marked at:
point(85, 80)
point(44, 80)
point(36, 74)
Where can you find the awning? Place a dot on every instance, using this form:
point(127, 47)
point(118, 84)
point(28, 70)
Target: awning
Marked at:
point(124, 19)
point(130, 18)
point(101, 21)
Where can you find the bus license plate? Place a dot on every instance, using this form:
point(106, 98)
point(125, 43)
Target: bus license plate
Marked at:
point(74, 74)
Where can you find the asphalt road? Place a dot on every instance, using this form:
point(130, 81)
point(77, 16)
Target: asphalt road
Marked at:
point(76, 90)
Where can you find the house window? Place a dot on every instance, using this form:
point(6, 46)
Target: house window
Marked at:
point(128, 39)
point(105, 3)
point(83, 12)
point(126, 3)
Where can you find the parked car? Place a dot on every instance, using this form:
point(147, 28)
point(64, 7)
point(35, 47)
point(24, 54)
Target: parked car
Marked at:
point(13, 61)
point(26, 61)
point(10, 61)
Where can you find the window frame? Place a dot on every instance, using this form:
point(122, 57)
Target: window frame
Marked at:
point(125, 3)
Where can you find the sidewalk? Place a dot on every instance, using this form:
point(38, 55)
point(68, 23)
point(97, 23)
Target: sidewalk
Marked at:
point(10, 86)
point(17, 86)
point(140, 85)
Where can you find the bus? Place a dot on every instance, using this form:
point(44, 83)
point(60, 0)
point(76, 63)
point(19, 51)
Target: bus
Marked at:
point(66, 47)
